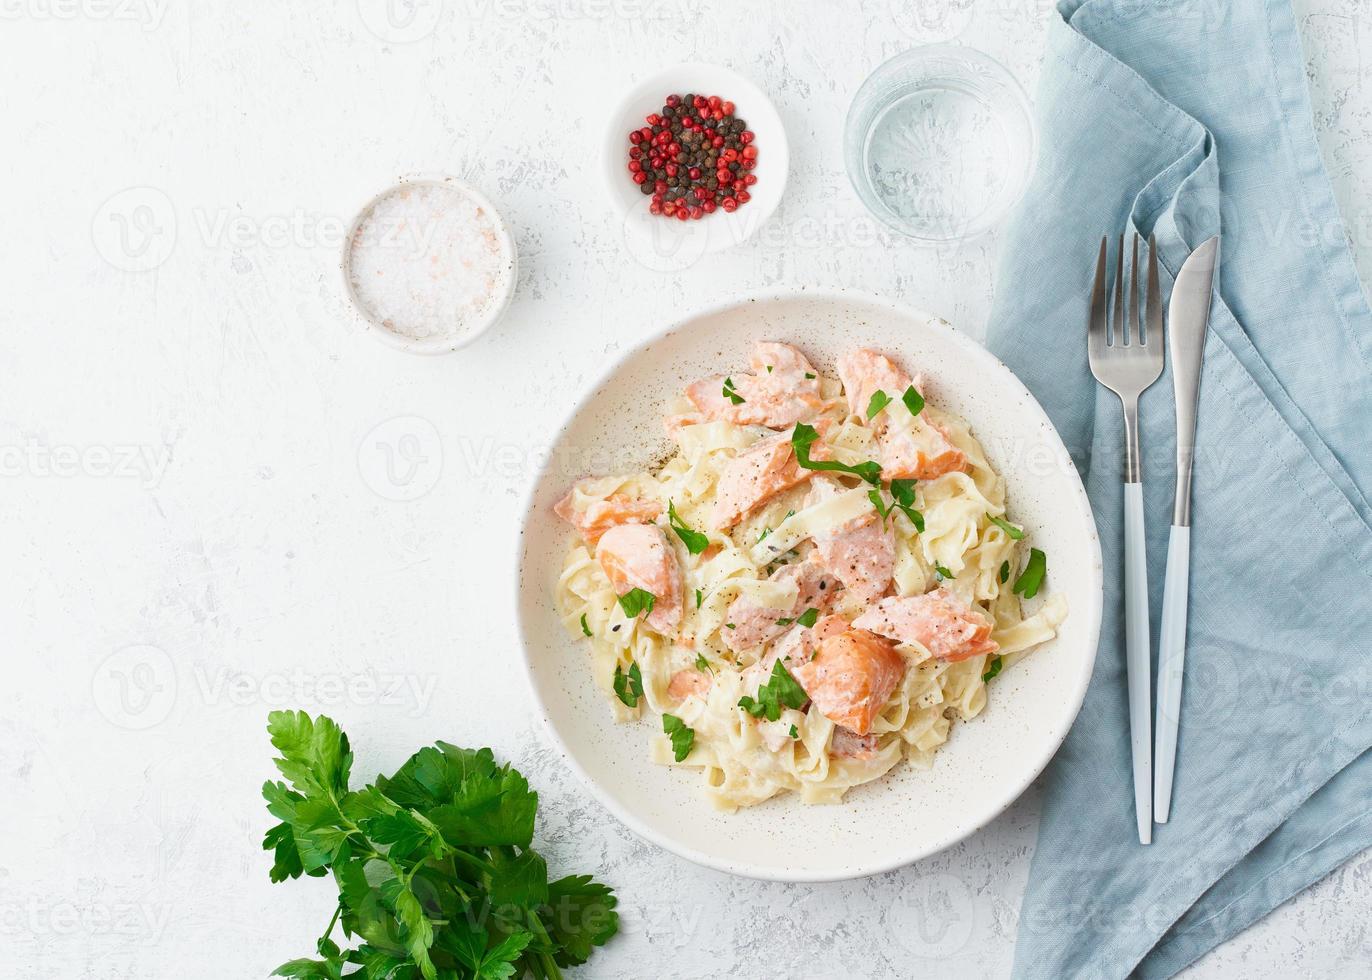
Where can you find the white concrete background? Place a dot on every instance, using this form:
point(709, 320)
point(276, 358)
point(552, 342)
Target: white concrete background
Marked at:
point(199, 524)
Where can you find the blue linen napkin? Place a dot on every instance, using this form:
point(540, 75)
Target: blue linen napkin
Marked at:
point(1187, 119)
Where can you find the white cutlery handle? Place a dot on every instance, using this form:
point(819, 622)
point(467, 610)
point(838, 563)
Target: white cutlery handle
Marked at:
point(1171, 657)
point(1138, 657)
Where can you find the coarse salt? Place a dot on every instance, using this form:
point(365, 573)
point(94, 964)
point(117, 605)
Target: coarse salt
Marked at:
point(427, 261)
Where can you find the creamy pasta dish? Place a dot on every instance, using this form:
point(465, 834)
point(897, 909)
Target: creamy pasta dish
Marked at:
point(814, 586)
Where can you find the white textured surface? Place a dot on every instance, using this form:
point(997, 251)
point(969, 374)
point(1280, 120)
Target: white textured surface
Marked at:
point(219, 489)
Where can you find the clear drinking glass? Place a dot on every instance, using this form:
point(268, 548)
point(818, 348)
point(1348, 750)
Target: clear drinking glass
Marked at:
point(939, 142)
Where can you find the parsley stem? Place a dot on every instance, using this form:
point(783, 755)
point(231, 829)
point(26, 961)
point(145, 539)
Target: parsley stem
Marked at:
point(474, 861)
point(337, 911)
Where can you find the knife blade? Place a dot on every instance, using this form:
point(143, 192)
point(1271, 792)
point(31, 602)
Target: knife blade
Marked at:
point(1187, 320)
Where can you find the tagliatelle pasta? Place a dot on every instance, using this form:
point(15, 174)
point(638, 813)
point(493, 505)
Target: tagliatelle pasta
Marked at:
point(835, 628)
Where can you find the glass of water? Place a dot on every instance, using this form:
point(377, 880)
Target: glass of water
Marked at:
point(939, 143)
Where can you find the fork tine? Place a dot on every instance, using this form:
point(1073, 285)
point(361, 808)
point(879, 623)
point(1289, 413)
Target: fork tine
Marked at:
point(1134, 327)
point(1153, 303)
point(1096, 339)
point(1118, 337)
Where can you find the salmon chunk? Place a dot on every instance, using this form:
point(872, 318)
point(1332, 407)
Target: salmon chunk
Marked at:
point(637, 556)
point(755, 475)
point(939, 621)
point(861, 553)
point(846, 744)
point(851, 678)
point(600, 515)
point(865, 372)
point(754, 625)
point(919, 451)
point(686, 682)
point(922, 452)
point(782, 390)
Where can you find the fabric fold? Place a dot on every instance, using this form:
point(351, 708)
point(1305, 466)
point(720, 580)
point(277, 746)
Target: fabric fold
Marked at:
point(1148, 127)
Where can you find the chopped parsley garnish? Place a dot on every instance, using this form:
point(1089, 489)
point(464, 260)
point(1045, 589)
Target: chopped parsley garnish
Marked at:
point(703, 665)
point(992, 669)
point(804, 437)
point(808, 617)
point(1031, 578)
point(943, 573)
point(683, 737)
point(879, 401)
point(730, 393)
point(763, 536)
point(700, 596)
point(781, 689)
point(809, 376)
point(913, 400)
point(636, 601)
point(628, 687)
point(1010, 529)
point(584, 628)
point(902, 499)
point(694, 541)
point(729, 626)
point(769, 369)
point(785, 622)
point(1004, 572)
point(794, 733)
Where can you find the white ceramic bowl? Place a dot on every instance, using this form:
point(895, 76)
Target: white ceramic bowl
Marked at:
point(909, 814)
point(439, 344)
point(667, 243)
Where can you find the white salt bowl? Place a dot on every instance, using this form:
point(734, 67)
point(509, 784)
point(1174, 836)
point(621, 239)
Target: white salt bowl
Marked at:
point(460, 335)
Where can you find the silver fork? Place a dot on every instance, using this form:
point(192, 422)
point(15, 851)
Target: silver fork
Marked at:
point(1126, 354)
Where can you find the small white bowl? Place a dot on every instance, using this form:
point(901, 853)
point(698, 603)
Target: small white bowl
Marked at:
point(667, 243)
point(443, 343)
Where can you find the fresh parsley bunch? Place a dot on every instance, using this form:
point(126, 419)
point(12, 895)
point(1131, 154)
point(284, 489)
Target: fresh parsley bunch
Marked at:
point(436, 877)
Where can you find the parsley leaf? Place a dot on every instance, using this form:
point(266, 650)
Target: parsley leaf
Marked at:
point(808, 617)
point(809, 376)
point(769, 369)
point(700, 596)
point(913, 400)
point(1031, 578)
point(730, 393)
point(992, 669)
point(703, 665)
point(943, 573)
point(683, 737)
point(1004, 572)
point(451, 885)
point(794, 733)
point(1010, 529)
point(879, 401)
point(636, 601)
point(902, 499)
point(781, 689)
point(804, 437)
point(584, 628)
point(628, 687)
point(694, 541)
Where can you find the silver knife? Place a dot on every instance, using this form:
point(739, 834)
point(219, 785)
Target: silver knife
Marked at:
point(1187, 319)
